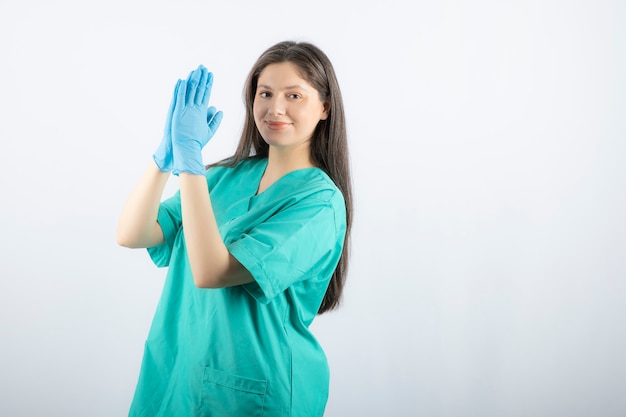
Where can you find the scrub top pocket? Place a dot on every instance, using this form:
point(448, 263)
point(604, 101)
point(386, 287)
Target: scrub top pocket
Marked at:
point(228, 395)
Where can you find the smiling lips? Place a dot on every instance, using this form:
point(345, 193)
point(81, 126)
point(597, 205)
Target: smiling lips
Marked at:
point(277, 125)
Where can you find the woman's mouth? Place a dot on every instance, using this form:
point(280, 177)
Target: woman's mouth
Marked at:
point(277, 125)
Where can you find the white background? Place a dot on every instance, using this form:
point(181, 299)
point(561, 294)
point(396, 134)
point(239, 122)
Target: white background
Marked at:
point(488, 140)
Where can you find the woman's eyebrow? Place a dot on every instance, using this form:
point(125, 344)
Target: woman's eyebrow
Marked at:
point(289, 87)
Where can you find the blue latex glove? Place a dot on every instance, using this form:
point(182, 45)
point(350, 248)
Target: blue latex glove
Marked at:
point(193, 123)
point(163, 156)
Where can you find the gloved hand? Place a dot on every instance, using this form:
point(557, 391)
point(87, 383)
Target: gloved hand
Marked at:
point(163, 155)
point(193, 124)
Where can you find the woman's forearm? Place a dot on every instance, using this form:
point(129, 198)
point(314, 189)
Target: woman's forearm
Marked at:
point(211, 264)
point(137, 226)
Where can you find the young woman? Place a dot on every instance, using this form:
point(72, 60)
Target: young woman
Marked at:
point(256, 245)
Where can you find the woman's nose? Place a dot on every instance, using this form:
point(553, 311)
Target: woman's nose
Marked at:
point(277, 107)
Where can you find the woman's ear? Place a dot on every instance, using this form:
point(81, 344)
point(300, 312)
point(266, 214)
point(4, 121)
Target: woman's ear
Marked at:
point(326, 111)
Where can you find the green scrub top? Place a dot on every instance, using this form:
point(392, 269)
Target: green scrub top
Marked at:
point(246, 350)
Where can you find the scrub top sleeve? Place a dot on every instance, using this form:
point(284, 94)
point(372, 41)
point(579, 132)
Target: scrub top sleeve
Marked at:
point(170, 220)
point(299, 243)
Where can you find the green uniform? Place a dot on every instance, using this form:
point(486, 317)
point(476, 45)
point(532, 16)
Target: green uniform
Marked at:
point(246, 350)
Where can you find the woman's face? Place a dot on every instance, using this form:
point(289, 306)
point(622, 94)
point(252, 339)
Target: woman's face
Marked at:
point(286, 107)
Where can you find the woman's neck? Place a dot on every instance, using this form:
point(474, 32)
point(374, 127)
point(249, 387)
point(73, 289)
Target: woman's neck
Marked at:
point(283, 161)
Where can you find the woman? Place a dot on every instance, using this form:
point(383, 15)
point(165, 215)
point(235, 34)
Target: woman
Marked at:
point(256, 245)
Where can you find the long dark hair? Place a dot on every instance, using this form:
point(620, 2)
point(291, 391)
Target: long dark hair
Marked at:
point(329, 144)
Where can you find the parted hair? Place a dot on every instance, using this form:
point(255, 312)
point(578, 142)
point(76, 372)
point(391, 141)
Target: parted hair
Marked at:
point(329, 144)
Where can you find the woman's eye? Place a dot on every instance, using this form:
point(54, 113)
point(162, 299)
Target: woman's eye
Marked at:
point(294, 95)
point(264, 94)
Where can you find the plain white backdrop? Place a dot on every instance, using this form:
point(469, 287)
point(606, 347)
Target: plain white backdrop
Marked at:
point(488, 140)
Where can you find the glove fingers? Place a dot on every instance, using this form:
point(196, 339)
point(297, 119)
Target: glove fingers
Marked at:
point(180, 95)
point(214, 118)
point(192, 86)
point(206, 91)
point(198, 88)
point(199, 96)
point(210, 112)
